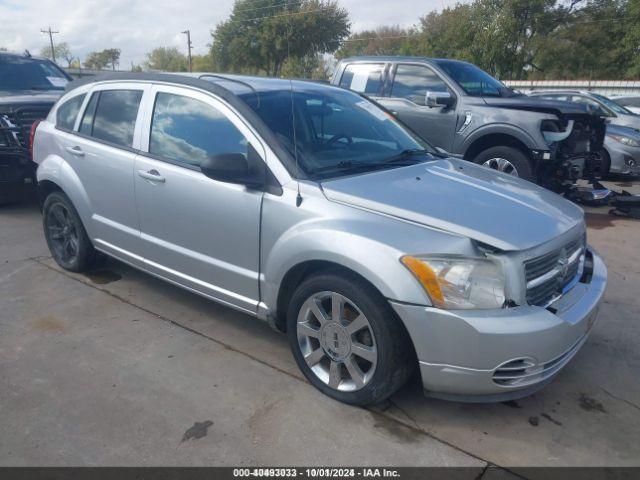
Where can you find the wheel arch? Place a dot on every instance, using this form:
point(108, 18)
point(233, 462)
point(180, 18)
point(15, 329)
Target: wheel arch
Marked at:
point(495, 139)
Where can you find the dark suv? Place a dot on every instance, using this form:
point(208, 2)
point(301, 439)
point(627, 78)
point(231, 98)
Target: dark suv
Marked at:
point(462, 109)
point(29, 87)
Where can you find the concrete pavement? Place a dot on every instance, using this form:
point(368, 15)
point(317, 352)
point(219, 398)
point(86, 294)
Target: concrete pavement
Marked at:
point(119, 368)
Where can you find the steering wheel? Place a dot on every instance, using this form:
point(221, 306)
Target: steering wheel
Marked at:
point(339, 136)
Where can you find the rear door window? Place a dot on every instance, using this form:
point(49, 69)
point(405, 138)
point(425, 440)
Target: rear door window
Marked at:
point(111, 116)
point(68, 112)
point(414, 81)
point(363, 78)
point(188, 131)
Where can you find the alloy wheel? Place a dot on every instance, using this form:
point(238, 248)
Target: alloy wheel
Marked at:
point(62, 233)
point(502, 165)
point(337, 341)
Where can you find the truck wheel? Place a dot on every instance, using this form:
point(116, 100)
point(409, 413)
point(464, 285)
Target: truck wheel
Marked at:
point(347, 340)
point(506, 160)
point(66, 237)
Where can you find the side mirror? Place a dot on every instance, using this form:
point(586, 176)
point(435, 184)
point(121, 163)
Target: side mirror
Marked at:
point(438, 99)
point(235, 168)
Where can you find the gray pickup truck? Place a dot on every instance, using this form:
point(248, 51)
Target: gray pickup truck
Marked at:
point(462, 109)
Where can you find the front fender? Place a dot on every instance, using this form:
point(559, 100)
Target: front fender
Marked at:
point(518, 133)
point(366, 243)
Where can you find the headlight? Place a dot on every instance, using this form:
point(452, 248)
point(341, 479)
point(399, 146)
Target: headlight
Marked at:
point(458, 282)
point(630, 142)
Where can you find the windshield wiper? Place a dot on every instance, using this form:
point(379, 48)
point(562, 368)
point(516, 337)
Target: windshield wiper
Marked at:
point(345, 166)
point(405, 155)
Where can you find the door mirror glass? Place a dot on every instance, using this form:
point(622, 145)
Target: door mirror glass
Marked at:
point(438, 99)
point(234, 168)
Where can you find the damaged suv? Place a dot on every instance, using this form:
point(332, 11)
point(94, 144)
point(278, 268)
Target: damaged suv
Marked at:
point(29, 87)
point(465, 111)
point(311, 208)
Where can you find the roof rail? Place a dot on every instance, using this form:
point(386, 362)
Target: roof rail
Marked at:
point(222, 77)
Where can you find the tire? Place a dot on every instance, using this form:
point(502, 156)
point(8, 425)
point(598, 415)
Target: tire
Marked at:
point(602, 170)
point(66, 237)
point(519, 161)
point(389, 358)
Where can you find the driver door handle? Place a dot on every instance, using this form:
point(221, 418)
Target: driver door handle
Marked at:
point(152, 175)
point(77, 151)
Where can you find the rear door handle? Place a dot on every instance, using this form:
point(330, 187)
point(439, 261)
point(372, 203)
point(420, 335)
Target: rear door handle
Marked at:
point(77, 151)
point(152, 175)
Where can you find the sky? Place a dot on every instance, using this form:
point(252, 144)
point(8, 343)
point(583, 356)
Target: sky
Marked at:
point(138, 26)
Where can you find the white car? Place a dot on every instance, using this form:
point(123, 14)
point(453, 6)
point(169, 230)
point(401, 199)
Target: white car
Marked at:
point(630, 102)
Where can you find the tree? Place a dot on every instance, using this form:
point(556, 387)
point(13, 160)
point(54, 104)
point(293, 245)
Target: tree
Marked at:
point(168, 59)
point(202, 63)
point(62, 51)
point(383, 40)
point(261, 35)
point(103, 59)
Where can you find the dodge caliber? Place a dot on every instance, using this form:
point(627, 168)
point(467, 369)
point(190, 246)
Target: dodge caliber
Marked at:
point(309, 207)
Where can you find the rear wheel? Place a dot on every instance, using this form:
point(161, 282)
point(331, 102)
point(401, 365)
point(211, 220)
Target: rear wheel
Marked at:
point(347, 340)
point(66, 237)
point(507, 160)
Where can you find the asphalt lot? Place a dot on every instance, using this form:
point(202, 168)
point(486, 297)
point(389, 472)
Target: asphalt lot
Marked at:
point(118, 368)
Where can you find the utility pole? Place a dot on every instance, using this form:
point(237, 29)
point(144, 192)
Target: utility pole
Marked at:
point(189, 47)
point(51, 32)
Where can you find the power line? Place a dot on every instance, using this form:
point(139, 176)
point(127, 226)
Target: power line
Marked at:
point(269, 6)
point(51, 32)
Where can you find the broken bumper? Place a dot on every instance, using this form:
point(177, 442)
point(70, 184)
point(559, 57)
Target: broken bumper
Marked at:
point(485, 356)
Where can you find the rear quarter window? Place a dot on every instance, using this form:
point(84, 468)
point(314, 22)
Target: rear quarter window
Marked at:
point(363, 78)
point(114, 118)
point(68, 112)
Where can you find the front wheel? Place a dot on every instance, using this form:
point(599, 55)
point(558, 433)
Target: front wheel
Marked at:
point(347, 340)
point(507, 160)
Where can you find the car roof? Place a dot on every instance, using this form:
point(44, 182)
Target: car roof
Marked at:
point(21, 55)
point(399, 58)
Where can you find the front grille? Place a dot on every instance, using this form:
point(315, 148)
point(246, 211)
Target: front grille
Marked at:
point(23, 117)
point(525, 371)
point(551, 274)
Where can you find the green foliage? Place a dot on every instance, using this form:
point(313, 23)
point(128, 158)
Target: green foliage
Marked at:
point(522, 39)
point(105, 58)
point(62, 51)
point(167, 59)
point(261, 35)
point(381, 41)
point(202, 63)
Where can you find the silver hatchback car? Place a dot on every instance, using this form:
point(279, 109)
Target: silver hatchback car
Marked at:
point(312, 208)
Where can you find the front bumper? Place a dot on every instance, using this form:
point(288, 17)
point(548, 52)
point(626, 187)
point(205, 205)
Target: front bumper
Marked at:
point(470, 355)
point(625, 160)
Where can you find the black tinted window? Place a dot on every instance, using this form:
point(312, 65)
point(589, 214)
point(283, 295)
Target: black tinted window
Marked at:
point(414, 81)
point(363, 78)
point(68, 112)
point(188, 130)
point(25, 73)
point(115, 116)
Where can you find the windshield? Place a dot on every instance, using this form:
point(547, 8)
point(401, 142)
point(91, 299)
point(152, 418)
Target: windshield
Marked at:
point(474, 81)
point(336, 132)
point(25, 73)
point(611, 104)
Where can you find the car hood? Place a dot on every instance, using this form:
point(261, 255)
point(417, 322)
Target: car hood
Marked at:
point(533, 104)
point(459, 197)
point(22, 97)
